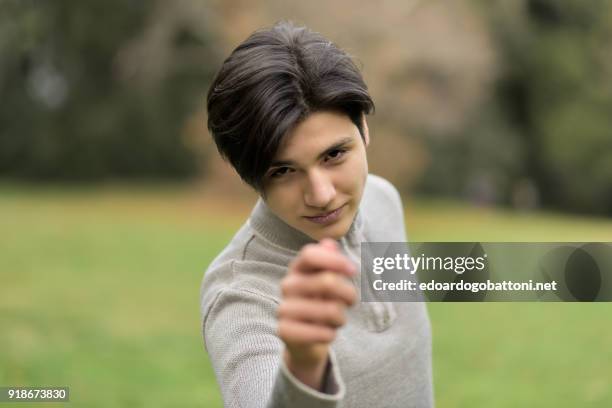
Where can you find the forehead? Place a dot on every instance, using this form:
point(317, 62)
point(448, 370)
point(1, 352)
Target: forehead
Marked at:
point(316, 133)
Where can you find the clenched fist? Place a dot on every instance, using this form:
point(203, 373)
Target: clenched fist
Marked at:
point(316, 293)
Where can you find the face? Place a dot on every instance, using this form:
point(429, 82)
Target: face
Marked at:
point(316, 180)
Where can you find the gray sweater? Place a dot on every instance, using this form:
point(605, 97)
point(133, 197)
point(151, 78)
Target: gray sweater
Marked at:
point(380, 358)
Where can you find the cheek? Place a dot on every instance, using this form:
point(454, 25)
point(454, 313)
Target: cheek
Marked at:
point(282, 200)
point(356, 171)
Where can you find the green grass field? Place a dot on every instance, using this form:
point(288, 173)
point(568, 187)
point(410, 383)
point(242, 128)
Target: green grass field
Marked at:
point(99, 292)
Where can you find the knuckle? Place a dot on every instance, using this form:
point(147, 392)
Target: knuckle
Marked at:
point(284, 282)
point(287, 284)
point(328, 281)
point(281, 311)
point(286, 331)
point(341, 314)
point(329, 335)
point(333, 309)
point(352, 295)
point(281, 330)
point(309, 250)
point(334, 313)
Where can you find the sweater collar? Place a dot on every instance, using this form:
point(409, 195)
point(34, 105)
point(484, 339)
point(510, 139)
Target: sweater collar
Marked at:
point(272, 228)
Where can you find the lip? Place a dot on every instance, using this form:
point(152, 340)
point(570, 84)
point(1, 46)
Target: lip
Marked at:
point(327, 218)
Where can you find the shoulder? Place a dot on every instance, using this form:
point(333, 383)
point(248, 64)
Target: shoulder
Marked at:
point(382, 210)
point(248, 268)
point(381, 194)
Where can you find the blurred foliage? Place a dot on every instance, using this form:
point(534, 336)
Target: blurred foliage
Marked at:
point(96, 90)
point(545, 134)
point(506, 102)
point(558, 94)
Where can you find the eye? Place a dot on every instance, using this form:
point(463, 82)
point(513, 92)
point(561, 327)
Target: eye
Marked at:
point(279, 172)
point(335, 154)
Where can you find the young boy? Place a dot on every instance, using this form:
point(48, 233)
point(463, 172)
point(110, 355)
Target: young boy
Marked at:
point(281, 316)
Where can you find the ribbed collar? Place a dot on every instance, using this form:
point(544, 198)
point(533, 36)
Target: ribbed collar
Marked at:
point(277, 231)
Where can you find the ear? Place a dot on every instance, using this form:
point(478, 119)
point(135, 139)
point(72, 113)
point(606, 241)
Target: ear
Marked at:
point(366, 131)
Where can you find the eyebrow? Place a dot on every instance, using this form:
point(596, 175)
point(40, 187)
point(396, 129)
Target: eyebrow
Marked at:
point(339, 144)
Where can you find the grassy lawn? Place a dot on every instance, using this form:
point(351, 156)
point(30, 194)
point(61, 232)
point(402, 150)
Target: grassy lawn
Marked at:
point(99, 292)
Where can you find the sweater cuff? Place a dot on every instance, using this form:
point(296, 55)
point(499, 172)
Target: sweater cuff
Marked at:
point(291, 390)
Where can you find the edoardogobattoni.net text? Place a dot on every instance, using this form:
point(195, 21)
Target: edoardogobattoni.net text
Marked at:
point(488, 285)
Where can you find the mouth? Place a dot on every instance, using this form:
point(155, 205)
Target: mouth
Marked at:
point(327, 218)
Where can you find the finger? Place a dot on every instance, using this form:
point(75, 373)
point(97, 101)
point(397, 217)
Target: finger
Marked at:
point(314, 257)
point(301, 333)
point(328, 285)
point(330, 313)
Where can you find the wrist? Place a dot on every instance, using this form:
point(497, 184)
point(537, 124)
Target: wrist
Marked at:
point(309, 371)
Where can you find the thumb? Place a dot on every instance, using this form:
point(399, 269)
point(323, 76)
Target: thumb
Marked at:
point(329, 244)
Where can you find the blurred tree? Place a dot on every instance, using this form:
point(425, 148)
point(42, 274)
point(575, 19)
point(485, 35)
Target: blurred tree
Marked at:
point(556, 94)
point(94, 90)
point(545, 134)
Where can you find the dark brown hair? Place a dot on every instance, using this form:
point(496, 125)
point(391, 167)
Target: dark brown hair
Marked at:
point(271, 82)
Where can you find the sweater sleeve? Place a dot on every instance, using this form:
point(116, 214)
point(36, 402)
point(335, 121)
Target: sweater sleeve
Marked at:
point(246, 353)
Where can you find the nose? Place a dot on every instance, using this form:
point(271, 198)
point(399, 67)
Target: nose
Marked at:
point(319, 190)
